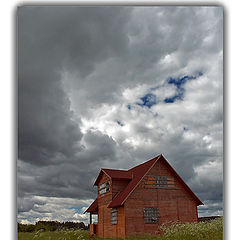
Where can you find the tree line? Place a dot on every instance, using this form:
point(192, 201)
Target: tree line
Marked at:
point(51, 226)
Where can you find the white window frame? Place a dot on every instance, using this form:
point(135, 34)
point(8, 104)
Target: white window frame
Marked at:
point(104, 188)
point(114, 216)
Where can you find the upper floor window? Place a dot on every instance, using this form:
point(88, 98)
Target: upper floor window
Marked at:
point(160, 182)
point(104, 187)
point(151, 214)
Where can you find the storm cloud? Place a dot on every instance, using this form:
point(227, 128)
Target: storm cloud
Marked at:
point(113, 87)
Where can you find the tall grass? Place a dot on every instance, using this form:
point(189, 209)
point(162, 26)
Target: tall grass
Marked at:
point(56, 235)
point(212, 230)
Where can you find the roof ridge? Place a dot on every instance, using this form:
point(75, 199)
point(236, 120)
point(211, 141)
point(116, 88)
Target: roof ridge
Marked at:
point(112, 169)
point(139, 165)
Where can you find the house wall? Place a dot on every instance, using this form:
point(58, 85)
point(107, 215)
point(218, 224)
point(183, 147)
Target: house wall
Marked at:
point(103, 201)
point(118, 186)
point(174, 204)
point(105, 228)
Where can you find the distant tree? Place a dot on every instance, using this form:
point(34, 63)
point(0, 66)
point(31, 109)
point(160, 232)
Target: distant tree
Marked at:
point(43, 226)
point(51, 226)
point(26, 227)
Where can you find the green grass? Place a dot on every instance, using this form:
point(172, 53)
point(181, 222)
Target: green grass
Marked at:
point(212, 230)
point(56, 235)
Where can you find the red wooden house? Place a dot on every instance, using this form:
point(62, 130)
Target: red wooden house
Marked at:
point(138, 200)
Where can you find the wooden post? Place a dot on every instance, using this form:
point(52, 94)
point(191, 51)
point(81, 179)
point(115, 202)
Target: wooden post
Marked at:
point(90, 218)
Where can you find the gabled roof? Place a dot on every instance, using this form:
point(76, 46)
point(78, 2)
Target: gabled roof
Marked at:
point(114, 174)
point(93, 207)
point(135, 175)
point(138, 173)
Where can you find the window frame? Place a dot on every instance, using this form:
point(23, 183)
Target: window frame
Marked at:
point(104, 188)
point(160, 182)
point(114, 216)
point(151, 215)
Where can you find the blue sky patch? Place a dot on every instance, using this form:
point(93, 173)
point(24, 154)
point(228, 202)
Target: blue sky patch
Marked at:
point(78, 209)
point(179, 83)
point(174, 98)
point(151, 99)
point(148, 100)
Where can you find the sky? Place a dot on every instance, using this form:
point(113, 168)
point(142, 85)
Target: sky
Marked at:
point(112, 87)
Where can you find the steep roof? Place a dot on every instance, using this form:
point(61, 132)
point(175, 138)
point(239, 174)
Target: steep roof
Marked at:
point(138, 173)
point(135, 175)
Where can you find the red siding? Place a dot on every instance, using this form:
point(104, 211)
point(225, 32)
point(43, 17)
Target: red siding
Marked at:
point(173, 204)
point(179, 204)
point(105, 228)
point(118, 186)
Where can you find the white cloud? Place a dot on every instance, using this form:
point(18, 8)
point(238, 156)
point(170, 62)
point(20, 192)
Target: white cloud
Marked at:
point(55, 209)
point(104, 81)
point(25, 221)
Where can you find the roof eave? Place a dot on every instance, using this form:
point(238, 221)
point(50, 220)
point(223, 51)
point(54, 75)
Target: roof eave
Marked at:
point(98, 178)
point(198, 201)
point(92, 206)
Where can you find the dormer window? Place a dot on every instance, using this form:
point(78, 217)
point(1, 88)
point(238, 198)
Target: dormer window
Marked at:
point(104, 187)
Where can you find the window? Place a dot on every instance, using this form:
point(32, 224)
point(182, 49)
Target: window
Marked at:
point(104, 187)
point(151, 214)
point(114, 216)
point(160, 182)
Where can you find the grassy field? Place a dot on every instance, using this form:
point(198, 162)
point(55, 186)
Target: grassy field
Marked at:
point(212, 230)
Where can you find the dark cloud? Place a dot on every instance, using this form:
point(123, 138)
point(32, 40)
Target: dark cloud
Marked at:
point(50, 38)
point(92, 84)
point(72, 178)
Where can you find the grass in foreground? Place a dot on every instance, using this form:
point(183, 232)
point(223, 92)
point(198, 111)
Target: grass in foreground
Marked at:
point(56, 235)
point(212, 230)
